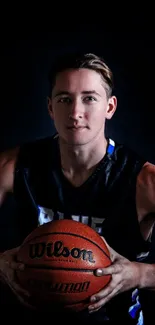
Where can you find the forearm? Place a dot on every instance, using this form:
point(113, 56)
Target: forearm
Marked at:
point(147, 276)
point(1, 274)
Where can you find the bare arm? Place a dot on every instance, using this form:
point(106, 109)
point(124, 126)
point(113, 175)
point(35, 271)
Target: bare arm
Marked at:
point(126, 274)
point(145, 199)
point(8, 263)
point(146, 215)
point(7, 165)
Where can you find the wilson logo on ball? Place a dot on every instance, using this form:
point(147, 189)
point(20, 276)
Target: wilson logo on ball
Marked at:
point(57, 249)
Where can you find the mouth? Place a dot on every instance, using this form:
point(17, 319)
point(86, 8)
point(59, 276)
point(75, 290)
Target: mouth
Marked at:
point(74, 127)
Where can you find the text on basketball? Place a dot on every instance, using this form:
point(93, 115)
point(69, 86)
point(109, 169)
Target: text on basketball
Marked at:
point(57, 249)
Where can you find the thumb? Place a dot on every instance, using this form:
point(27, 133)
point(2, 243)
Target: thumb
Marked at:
point(109, 270)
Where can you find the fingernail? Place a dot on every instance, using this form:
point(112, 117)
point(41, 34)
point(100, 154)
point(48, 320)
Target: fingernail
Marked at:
point(93, 299)
point(99, 272)
point(21, 267)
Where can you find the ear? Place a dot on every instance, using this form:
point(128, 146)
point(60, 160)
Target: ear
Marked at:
point(111, 107)
point(49, 105)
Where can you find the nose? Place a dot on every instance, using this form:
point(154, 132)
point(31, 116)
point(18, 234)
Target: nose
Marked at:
point(76, 111)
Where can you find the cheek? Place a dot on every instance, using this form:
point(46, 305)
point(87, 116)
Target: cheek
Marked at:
point(60, 117)
point(87, 115)
point(95, 115)
point(59, 114)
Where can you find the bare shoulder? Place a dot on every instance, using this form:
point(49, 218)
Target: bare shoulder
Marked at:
point(7, 165)
point(145, 190)
point(146, 177)
point(7, 156)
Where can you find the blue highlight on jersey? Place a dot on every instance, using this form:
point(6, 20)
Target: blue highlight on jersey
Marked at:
point(135, 311)
point(111, 147)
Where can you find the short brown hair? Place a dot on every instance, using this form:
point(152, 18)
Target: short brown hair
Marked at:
point(88, 61)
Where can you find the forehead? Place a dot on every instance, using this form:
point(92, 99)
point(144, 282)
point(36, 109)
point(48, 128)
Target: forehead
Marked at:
point(79, 80)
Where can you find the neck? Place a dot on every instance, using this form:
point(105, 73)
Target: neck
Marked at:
point(76, 158)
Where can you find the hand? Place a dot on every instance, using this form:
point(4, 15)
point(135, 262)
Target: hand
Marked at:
point(8, 266)
point(125, 276)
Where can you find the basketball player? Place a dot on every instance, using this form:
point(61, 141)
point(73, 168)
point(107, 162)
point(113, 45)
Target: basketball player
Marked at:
point(82, 175)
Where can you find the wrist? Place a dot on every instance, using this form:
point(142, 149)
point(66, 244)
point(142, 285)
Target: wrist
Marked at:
point(146, 276)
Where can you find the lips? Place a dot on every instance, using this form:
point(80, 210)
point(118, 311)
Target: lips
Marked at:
point(76, 127)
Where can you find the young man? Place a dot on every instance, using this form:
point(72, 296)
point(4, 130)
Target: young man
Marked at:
point(82, 175)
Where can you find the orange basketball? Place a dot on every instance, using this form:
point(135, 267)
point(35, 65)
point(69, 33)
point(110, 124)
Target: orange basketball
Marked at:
point(60, 259)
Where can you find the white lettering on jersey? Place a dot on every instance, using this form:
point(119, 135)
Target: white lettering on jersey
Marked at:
point(46, 215)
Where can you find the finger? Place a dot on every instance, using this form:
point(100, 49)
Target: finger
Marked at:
point(92, 310)
point(103, 293)
point(103, 300)
point(19, 290)
point(109, 270)
point(95, 307)
point(22, 299)
point(26, 304)
point(16, 266)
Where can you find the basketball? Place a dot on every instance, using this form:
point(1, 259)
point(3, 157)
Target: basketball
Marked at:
point(60, 258)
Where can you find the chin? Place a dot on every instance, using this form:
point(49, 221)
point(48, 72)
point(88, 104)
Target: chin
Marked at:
point(76, 142)
point(75, 139)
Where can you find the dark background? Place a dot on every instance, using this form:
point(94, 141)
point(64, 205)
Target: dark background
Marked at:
point(126, 43)
point(25, 60)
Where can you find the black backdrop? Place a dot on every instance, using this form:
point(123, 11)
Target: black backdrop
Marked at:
point(25, 62)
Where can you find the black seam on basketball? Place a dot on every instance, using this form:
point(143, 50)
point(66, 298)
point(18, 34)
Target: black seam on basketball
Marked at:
point(68, 234)
point(47, 267)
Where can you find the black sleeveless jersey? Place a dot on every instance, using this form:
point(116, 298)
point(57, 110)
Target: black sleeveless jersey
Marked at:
point(106, 201)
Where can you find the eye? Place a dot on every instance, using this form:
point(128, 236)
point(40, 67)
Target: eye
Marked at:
point(64, 100)
point(89, 99)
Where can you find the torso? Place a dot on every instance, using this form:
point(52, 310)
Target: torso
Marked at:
point(107, 201)
point(145, 214)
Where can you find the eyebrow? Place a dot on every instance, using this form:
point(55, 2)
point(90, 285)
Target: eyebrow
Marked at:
point(87, 92)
